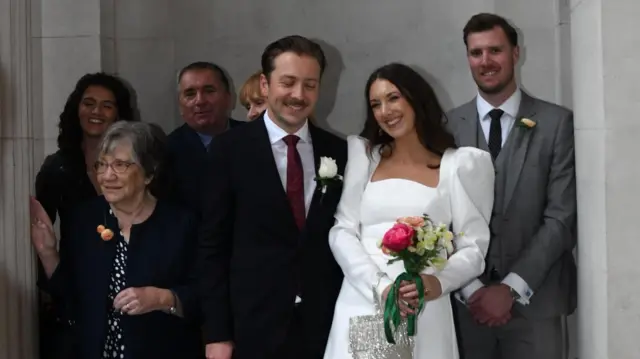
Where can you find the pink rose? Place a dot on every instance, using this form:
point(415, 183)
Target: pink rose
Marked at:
point(397, 238)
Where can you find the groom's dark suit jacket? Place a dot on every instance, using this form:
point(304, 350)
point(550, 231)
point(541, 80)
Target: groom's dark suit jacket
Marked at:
point(253, 256)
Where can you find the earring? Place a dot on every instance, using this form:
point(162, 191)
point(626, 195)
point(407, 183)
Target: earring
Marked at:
point(379, 132)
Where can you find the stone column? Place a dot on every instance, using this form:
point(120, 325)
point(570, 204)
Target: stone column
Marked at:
point(606, 88)
point(17, 142)
point(68, 43)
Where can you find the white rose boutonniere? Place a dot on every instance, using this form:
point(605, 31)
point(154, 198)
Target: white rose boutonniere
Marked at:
point(527, 123)
point(327, 173)
point(328, 168)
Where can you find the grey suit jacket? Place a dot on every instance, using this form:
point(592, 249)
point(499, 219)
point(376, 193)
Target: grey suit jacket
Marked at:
point(533, 225)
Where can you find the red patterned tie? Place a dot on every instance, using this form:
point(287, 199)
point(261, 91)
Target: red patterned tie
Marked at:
point(295, 180)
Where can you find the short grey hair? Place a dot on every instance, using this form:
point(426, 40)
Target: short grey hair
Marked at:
point(147, 141)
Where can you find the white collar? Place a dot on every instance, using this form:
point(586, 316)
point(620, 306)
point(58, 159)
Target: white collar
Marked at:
point(510, 106)
point(276, 133)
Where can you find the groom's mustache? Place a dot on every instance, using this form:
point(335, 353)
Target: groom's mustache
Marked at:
point(293, 102)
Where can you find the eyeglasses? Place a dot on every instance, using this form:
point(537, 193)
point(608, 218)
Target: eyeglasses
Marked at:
point(117, 166)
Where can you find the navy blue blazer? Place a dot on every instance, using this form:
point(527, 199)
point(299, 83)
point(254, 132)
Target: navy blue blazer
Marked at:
point(161, 254)
point(188, 160)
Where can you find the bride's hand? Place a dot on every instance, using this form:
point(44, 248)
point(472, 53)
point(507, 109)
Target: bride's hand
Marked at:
point(432, 286)
point(409, 293)
point(385, 294)
point(404, 304)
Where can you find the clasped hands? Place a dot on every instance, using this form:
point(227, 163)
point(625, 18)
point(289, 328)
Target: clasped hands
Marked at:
point(491, 305)
point(135, 301)
point(408, 293)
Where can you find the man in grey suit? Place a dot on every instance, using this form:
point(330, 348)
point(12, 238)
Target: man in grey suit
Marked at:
point(515, 310)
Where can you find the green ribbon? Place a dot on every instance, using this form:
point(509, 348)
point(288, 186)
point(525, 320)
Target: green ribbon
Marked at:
point(392, 315)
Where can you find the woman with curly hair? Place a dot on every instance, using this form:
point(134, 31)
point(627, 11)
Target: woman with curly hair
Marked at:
point(67, 178)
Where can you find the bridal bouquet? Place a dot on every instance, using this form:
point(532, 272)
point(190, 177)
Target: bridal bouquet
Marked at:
point(419, 244)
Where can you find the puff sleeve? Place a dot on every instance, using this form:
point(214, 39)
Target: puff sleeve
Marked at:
point(344, 237)
point(471, 185)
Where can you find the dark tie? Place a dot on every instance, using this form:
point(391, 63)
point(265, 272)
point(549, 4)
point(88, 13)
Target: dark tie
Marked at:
point(295, 180)
point(495, 133)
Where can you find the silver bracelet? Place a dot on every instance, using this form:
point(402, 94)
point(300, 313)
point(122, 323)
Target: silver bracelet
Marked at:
point(173, 309)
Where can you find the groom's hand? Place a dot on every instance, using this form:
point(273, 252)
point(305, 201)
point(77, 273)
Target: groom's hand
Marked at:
point(497, 322)
point(491, 305)
point(220, 350)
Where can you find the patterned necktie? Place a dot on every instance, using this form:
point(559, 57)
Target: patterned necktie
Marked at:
point(295, 180)
point(495, 133)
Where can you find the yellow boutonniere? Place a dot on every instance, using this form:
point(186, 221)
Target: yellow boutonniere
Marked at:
point(527, 123)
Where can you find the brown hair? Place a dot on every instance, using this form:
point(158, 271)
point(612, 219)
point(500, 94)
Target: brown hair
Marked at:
point(484, 22)
point(430, 118)
point(250, 90)
point(295, 43)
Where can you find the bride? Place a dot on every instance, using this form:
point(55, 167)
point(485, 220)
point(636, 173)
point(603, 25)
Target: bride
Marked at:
point(407, 164)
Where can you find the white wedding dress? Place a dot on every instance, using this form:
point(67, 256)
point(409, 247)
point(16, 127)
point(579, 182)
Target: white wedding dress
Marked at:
point(463, 197)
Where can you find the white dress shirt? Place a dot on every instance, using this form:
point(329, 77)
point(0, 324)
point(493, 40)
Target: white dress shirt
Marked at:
point(508, 119)
point(305, 149)
point(510, 108)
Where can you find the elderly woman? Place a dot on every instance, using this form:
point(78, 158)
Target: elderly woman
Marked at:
point(125, 263)
point(67, 178)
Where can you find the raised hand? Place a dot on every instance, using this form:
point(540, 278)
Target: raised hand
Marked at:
point(43, 237)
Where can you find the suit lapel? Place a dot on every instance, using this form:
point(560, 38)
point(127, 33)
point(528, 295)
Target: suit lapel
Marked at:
point(319, 150)
point(520, 146)
point(469, 127)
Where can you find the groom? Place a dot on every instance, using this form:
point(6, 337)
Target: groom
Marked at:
point(268, 278)
point(515, 310)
